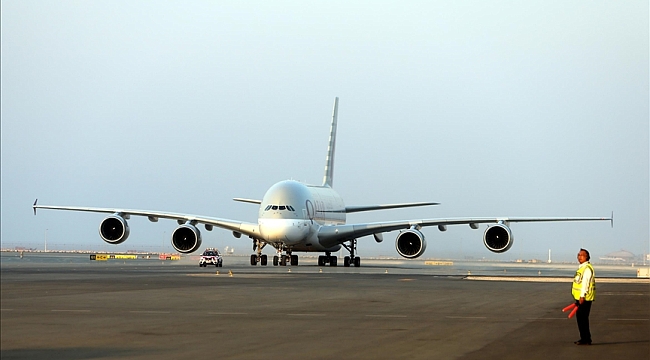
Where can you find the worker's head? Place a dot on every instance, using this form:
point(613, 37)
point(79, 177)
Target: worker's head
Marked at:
point(583, 255)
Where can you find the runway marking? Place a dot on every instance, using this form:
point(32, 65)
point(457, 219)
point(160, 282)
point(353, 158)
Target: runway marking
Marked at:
point(227, 313)
point(60, 310)
point(466, 317)
point(628, 319)
point(149, 312)
point(305, 314)
point(386, 316)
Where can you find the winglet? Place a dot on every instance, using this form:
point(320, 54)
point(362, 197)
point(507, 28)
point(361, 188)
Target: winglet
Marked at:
point(328, 179)
point(34, 206)
point(611, 219)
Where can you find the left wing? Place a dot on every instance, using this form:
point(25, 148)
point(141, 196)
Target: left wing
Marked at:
point(337, 234)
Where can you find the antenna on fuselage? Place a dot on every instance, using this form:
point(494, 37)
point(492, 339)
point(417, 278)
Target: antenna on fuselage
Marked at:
point(328, 179)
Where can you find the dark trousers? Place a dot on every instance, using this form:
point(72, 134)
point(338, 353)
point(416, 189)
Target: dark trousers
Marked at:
point(582, 316)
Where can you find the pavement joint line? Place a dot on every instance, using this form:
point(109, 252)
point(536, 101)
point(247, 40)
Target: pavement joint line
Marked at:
point(387, 316)
point(149, 312)
point(305, 314)
point(70, 310)
point(628, 319)
point(6, 309)
point(466, 317)
point(546, 318)
point(227, 313)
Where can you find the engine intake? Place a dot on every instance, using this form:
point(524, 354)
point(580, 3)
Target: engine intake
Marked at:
point(498, 238)
point(410, 243)
point(114, 229)
point(186, 238)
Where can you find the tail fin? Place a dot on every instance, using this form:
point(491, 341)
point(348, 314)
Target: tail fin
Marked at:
point(328, 179)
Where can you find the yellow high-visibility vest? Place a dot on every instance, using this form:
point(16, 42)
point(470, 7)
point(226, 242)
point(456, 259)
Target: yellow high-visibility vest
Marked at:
point(577, 284)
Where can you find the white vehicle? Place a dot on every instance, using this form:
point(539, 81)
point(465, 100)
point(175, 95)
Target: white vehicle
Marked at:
point(211, 256)
point(296, 217)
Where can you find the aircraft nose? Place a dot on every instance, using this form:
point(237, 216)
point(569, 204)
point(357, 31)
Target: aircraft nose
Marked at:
point(291, 231)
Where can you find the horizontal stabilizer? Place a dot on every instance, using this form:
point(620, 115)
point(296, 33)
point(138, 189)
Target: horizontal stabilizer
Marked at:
point(251, 201)
point(352, 209)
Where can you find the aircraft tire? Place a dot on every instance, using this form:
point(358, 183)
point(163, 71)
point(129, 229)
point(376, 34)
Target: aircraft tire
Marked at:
point(357, 261)
point(294, 260)
point(275, 260)
point(263, 260)
point(346, 261)
point(333, 260)
point(253, 260)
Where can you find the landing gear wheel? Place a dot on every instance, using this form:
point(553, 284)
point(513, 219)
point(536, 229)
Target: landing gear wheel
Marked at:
point(294, 260)
point(253, 259)
point(333, 260)
point(263, 260)
point(275, 260)
point(357, 261)
point(283, 260)
point(321, 260)
point(346, 261)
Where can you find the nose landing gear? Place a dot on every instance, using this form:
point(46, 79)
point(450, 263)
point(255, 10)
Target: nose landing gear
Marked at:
point(282, 259)
point(327, 259)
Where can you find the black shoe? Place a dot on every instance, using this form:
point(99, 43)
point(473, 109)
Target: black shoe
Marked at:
point(580, 342)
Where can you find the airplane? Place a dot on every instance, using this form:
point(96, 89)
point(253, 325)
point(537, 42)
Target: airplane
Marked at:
point(298, 217)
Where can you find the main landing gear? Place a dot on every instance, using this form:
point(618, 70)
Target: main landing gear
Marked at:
point(258, 257)
point(279, 259)
point(327, 259)
point(352, 259)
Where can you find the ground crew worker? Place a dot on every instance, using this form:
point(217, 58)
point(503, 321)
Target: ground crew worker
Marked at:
point(584, 292)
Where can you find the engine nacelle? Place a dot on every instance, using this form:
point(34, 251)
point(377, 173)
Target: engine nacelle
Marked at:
point(114, 229)
point(410, 243)
point(498, 238)
point(186, 238)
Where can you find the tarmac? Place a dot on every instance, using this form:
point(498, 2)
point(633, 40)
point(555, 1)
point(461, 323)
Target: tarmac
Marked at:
point(166, 310)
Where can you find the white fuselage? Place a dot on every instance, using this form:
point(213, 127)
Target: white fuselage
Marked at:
point(291, 214)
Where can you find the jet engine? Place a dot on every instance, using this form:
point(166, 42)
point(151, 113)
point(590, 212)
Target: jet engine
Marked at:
point(114, 229)
point(186, 238)
point(410, 243)
point(498, 238)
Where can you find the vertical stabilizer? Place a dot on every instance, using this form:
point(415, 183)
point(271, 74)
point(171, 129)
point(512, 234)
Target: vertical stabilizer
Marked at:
point(329, 161)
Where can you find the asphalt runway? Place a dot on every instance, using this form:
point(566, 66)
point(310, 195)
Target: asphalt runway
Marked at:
point(165, 310)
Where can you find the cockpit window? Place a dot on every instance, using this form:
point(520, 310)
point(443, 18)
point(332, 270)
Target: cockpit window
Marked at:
point(279, 207)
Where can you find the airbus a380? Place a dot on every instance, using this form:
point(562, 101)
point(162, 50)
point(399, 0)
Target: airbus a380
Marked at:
point(296, 217)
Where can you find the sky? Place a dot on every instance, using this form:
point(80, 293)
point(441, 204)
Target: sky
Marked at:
point(493, 108)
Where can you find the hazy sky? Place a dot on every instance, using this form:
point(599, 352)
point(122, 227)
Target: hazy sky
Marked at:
point(493, 108)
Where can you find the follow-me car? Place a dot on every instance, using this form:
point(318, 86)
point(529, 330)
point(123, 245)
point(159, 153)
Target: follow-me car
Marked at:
point(297, 217)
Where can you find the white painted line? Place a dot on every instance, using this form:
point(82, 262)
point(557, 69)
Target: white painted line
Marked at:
point(227, 313)
point(305, 314)
point(58, 310)
point(149, 312)
point(628, 319)
point(466, 317)
point(386, 316)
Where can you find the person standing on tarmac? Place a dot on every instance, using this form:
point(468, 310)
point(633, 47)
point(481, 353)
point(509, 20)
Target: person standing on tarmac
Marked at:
point(584, 292)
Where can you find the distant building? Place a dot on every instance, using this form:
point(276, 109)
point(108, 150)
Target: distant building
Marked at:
point(619, 256)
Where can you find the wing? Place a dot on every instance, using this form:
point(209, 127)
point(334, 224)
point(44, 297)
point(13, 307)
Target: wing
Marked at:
point(249, 229)
point(341, 233)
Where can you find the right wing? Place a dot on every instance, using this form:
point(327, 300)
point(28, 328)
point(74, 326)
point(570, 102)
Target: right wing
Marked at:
point(249, 229)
